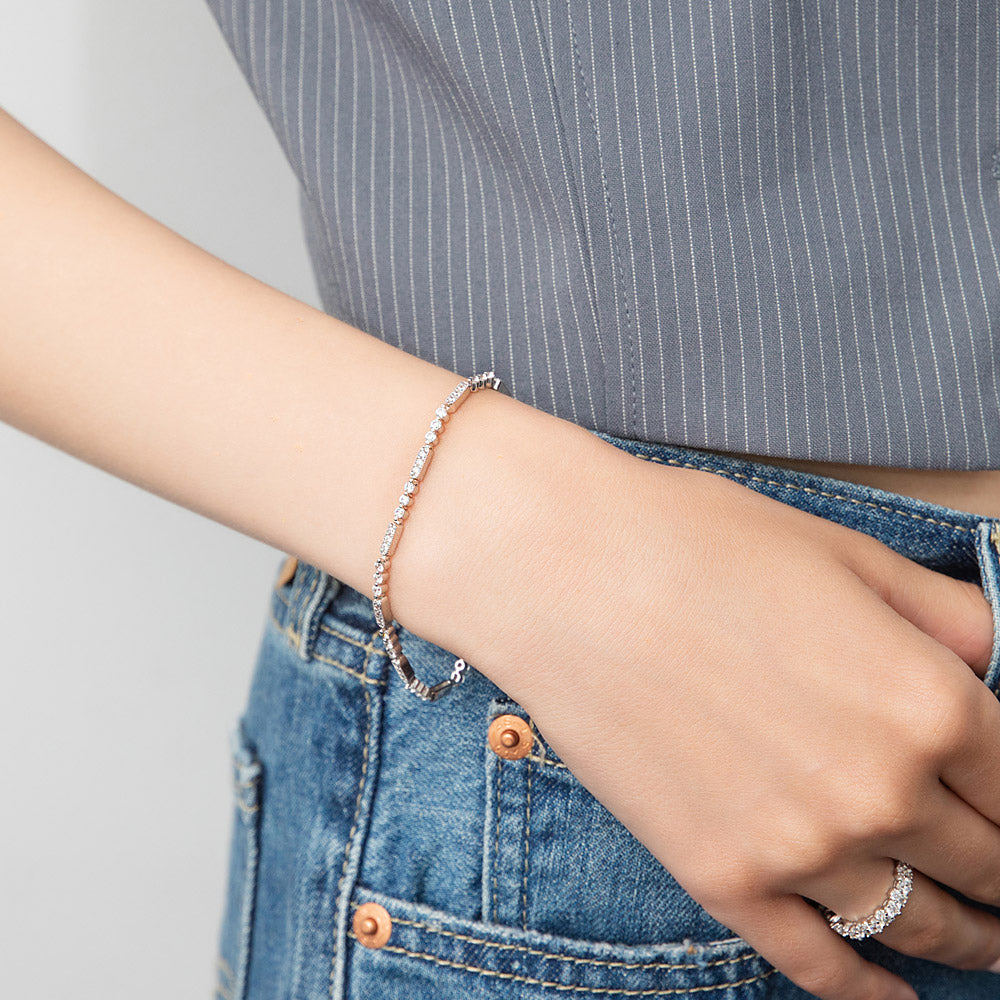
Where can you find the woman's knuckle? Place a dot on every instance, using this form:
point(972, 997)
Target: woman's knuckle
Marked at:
point(897, 817)
point(888, 810)
point(797, 849)
point(948, 719)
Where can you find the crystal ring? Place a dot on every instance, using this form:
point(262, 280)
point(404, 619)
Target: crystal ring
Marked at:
point(876, 922)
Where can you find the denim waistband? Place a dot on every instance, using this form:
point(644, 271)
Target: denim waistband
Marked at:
point(962, 544)
point(785, 483)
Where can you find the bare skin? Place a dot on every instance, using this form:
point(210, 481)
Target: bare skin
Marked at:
point(862, 722)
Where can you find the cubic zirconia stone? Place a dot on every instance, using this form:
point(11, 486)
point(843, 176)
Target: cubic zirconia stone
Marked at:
point(405, 499)
point(399, 513)
point(376, 591)
point(390, 533)
point(410, 487)
point(430, 437)
point(441, 413)
point(420, 462)
point(456, 393)
point(379, 617)
point(436, 424)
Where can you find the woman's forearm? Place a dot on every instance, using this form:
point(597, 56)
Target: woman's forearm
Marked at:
point(129, 347)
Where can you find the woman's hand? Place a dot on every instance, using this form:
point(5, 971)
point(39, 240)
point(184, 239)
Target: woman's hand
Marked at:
point(791, 703)
point(774, 704)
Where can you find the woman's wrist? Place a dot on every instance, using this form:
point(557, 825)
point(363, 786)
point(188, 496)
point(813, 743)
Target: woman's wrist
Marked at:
point(482, 558)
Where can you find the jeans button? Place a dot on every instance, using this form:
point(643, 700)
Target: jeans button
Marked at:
point(372, 925)
point(510, 737)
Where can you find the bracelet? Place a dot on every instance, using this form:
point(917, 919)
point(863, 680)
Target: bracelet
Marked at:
point(380, 587)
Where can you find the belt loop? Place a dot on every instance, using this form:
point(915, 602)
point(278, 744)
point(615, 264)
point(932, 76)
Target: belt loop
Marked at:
point(988, 551)
point(316, 590)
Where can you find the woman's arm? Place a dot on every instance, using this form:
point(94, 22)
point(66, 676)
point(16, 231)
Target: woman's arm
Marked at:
point(131, 348)
point(720, 670)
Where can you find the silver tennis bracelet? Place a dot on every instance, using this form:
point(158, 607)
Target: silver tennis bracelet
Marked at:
point(380, 586)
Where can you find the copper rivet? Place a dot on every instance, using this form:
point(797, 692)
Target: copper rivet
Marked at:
point(372, 925)
point(287, 571)
point(510, 737)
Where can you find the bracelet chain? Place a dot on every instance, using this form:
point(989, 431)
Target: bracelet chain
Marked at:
point(390, 541)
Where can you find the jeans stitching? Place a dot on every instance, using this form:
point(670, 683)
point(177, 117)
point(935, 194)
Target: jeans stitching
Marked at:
point(795, 486)
point(574, 960)
point(354, 642)
point(354, 827)
point(289, 632)
point(533, 981)
point(250, 835)
point(496, 842)
point(223, 966)
point(542, 756)
point(527, 836)
point(329, 629)
point(223, 988)
point(545, 760)
point(301, 624)
point(320, 595)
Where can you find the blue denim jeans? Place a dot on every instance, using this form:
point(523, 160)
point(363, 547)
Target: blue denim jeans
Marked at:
point(490, 877)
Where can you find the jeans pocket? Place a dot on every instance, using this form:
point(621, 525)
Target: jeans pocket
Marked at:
point(473, 885)
point(236, 931)
point(556, 860)
point(401, 950)
point(559, 865)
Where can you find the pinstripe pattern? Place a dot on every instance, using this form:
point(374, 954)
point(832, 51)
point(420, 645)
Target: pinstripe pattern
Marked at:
point(765, 227)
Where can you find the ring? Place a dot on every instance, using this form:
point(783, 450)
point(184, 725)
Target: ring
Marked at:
point(876, 922)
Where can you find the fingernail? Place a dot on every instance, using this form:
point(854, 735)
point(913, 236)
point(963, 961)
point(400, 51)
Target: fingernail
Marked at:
point(995, 967)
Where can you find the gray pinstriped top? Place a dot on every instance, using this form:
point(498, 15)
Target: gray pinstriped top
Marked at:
point(767, 227)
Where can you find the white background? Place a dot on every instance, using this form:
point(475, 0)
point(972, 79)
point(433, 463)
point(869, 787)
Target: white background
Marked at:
point(128, 625)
